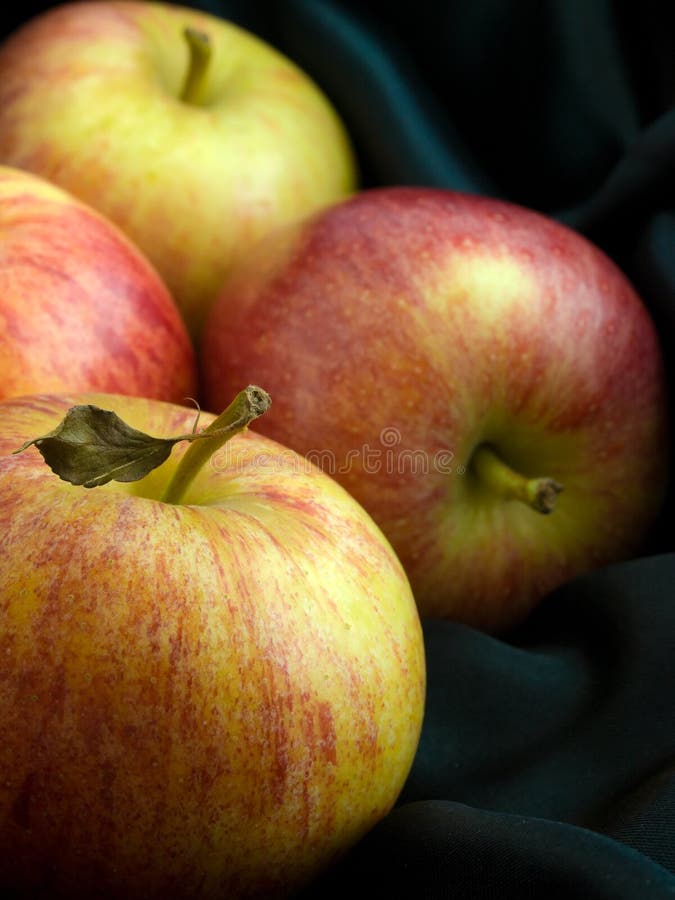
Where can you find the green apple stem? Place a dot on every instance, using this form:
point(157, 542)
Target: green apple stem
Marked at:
point(247, 405)
point(201, 51)
point(538, 493)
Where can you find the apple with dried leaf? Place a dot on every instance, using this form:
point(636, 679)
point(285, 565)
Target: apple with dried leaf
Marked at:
point(212, 677)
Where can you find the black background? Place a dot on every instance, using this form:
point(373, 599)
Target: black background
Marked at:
point(546, 766)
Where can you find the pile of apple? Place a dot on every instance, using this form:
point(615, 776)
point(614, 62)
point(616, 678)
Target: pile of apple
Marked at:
point(211, 665)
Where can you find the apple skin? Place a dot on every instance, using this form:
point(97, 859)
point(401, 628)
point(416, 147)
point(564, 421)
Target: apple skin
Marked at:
point(205, 700)
point(402, 329)
point(80, 306)
point(89, 98)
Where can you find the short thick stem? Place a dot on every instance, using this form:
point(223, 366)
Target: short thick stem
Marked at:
point(198, 65)
point(538, 493)
point(247, 405)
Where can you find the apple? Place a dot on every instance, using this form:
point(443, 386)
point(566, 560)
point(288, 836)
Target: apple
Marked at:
point(205, 692)
point(81, 307)
point(454, 360)
point(190, 133)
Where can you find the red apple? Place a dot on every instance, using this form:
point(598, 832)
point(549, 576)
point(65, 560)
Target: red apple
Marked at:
point(81, 308)
point(437, 353)
point(204, 693)
point(190, 133)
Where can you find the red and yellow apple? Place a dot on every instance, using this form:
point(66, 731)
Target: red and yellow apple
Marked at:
point(453, 360)
point(205, 698)
point(193, 156)
point(81, 308)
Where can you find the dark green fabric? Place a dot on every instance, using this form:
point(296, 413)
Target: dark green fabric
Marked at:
point(546, 765)
point(547, 760)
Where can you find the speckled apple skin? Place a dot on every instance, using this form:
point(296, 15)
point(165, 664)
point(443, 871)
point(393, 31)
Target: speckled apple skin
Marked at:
point(205, 700)
point(404, 327)
point(81, 308)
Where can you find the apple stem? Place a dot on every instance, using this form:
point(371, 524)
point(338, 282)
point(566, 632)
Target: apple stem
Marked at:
point(250, 403)
point(538, 493)
point(201, 51)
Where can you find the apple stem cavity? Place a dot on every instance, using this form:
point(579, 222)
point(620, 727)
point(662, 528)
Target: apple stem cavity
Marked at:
point(201, 51)
point(250, 403)
point(538, 493)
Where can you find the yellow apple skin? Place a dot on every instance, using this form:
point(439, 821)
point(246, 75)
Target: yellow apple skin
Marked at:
point(404, 328)
point(89, 98)
point(205, 700)
point(81, 308)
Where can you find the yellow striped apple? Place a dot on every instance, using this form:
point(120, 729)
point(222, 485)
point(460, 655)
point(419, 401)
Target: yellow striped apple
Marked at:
point(454, 361)
point(81, 308)
point(190, 133)
point(212, 684)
